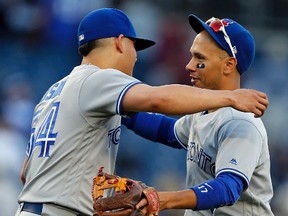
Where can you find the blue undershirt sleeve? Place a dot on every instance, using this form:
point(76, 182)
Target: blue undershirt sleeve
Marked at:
point(224, 190)
point(155, 127)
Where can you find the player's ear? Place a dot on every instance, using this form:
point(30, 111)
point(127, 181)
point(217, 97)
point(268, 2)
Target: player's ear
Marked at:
point(119, 43)
point(230, 65)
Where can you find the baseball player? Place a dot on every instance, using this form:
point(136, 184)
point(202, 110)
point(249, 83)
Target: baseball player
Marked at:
point(228, 162)
point(76, 125)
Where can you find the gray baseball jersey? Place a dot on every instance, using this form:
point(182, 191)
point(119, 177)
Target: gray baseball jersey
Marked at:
point(75, 131)
point(228, 141)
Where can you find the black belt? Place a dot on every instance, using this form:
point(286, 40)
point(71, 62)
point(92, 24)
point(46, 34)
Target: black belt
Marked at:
point(35, 208)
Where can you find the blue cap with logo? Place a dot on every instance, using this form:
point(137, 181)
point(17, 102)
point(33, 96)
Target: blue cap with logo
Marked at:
point(109, 22)
point(230, 36)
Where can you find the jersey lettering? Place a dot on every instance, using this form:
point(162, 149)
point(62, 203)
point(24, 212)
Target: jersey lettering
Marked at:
point(197, 155)
point(212, 168)
point(54, 91)
point(45, 136)
point(114, 136)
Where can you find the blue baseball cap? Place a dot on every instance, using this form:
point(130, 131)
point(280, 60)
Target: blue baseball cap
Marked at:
point(109, 22)
point(242, 42)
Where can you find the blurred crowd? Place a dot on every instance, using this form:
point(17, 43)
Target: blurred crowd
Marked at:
point(38, 46)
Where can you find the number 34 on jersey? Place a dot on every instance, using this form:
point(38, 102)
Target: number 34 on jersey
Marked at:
point(46, 136)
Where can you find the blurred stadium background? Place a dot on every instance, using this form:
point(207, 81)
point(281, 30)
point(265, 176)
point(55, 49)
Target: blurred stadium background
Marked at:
point(38, 45)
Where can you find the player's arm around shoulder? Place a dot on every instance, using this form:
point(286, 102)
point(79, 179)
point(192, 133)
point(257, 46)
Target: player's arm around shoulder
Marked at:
point(178, 99)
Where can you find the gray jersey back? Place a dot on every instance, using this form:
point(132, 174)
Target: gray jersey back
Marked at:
point(75, 131)
point(228, 141)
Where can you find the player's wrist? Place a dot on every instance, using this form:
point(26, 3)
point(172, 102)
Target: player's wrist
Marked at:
point(230, 98)
point(185, 199)
point(164, 200)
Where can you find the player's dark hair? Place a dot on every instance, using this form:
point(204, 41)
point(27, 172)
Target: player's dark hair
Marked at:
point(86, 48)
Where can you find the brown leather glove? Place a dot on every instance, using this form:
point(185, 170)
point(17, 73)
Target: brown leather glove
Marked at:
point(127, 194)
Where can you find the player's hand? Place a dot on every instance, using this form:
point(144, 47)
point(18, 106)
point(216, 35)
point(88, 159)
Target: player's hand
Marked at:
point(249, 100)
point(143, 206)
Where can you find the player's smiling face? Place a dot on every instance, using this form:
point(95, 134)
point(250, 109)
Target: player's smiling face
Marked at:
point(204, 50)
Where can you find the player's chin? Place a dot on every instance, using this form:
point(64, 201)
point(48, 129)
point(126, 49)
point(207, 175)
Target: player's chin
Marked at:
point(196, 83)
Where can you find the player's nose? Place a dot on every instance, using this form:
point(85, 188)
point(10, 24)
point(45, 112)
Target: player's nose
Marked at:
point(191, 66)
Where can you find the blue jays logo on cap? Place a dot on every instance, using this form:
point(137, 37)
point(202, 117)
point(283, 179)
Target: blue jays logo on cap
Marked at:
point(109, 22)
point(231, 36)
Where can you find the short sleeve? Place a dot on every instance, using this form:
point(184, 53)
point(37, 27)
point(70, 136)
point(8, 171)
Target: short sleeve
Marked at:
point(240, 147)
point(103, 91)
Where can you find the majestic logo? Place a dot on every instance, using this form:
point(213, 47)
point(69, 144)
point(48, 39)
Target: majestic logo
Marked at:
point(233, 161)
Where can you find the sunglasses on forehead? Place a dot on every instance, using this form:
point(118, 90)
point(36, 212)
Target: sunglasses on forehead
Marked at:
point(219, 25)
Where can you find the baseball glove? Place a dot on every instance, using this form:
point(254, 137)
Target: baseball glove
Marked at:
point(127, 194)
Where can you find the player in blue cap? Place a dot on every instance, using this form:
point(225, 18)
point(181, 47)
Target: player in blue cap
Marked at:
point(228, 162)
point(76, 125)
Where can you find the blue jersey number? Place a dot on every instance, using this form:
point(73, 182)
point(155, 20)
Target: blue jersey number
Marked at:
point(45, 136)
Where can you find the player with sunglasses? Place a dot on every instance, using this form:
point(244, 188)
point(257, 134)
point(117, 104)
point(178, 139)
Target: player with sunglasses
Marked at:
point(228, 162)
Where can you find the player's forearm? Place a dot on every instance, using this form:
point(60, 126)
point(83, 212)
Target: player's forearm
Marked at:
point(174, 99)
point(182, 99)
point(185, 199)
point(178, 99)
